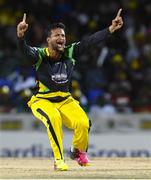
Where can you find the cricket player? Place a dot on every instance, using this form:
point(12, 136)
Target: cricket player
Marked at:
point(52, 103)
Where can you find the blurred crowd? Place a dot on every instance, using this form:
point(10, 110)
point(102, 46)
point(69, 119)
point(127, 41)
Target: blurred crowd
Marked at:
point(114, 77)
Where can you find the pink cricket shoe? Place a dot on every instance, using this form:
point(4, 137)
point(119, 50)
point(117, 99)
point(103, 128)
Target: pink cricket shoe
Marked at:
point(80, 157)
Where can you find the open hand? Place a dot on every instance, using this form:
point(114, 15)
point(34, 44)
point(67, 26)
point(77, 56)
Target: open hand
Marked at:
point(22, 27)
point(117, 22)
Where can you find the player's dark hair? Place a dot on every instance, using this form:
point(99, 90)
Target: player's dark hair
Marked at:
point(54, 26)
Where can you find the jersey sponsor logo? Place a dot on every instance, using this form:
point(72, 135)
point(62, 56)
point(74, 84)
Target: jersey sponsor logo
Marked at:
point(59, 73)
point(59, 78)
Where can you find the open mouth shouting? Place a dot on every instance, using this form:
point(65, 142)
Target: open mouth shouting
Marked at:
point(60, 45)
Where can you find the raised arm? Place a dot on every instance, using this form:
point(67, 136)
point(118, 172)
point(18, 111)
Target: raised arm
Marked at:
point(26, 50)
point(99, 36)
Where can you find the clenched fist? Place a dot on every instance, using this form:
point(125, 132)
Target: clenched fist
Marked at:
point(22, 27)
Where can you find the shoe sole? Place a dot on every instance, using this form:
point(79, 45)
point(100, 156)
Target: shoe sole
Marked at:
point(88, 164)
point(61, 169)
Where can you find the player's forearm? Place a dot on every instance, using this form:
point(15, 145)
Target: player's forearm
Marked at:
point(91, 41)
point(98, 37)
point(22, 46)
point(27, 51)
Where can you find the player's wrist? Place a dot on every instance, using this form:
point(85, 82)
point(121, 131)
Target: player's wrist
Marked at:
point(111, 29)
point(20, 34)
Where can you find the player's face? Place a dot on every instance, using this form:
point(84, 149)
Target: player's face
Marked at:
point(57, 39)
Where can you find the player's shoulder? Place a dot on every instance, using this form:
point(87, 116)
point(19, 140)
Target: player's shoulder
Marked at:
point(42, 51)
point(70, 45)
point(70, 48)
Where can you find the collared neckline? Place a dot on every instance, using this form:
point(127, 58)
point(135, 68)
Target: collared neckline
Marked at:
point(47, 52)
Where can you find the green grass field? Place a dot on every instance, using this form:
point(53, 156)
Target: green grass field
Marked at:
point(101, 168)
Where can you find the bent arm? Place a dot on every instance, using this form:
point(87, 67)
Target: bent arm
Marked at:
point(99, 36)
point(26, 50)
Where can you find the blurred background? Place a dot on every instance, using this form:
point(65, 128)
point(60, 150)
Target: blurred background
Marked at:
point(111, 81)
